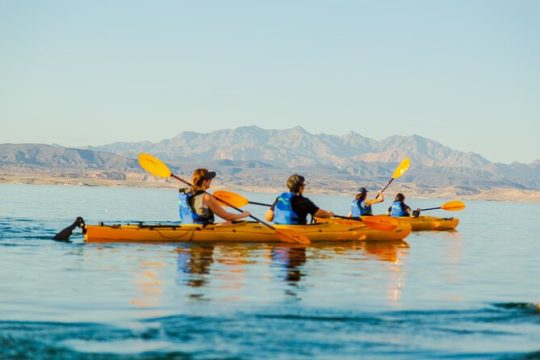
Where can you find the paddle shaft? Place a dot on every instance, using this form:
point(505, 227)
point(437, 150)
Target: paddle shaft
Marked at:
point(373, 222)
point(433, 208)
point(258, 203)
point(226, 203)
point(268, 205)
point(336, 216)
point(400, 170)
point(387, 185)
point(346, 217)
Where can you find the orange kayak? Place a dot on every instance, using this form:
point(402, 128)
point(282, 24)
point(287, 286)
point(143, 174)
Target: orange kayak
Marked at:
point(422, 223)
point(237, 232)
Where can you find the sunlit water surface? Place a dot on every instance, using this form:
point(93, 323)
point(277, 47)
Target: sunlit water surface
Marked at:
point(466, 294)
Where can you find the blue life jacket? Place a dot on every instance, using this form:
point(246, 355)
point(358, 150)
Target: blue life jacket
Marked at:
point(397, 209)
point(187, 213)
point(359, 208)
point(283, 212)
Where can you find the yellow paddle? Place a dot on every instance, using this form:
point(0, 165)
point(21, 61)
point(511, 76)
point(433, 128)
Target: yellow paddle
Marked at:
point(377, 222)
point(400, 170)
point(449, 206)
point(156, 167)
point(233, 198)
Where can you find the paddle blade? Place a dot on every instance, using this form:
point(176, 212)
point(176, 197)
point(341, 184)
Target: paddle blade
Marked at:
point(376, 222)
point(453, 206)
point(229, 198)
point(291, 236)
point(380, 222)
point(402, 167)
point(66, 233)
point(153, 165)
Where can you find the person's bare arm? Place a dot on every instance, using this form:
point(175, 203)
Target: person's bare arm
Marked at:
point(213, 205)
point(379, 198)
point(323, 214)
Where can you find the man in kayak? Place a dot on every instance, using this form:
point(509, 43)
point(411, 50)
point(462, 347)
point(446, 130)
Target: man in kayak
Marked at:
point(292, 207)
point(399, 208)
point(195, 206)
point(361, 205)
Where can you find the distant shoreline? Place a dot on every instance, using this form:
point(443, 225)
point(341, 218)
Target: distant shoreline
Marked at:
point(411, 191)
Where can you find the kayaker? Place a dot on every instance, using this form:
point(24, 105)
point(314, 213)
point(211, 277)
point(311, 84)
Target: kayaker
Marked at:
point(400, 209)
point(195, 206)
point(292, 207)
point(361, 205)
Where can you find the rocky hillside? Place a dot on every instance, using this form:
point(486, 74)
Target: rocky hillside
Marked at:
point(297, 147)
point(349, 156)
point(43, 157)
point(61, 161)
point(251, 156)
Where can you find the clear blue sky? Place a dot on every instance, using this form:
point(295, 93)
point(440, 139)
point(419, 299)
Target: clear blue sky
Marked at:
point(464, 73)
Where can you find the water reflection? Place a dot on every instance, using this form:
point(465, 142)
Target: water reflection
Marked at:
point(453, 254)
point(230, 269)
point(393, 253)
point(290, 260)
point(388, 264)
point(149, 284)
point(195, 261)
point(386, 251)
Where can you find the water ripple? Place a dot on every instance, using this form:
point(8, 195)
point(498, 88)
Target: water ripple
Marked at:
point(274, 333)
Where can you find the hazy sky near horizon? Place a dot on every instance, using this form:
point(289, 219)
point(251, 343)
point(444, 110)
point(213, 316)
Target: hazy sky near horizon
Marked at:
point(464, 73)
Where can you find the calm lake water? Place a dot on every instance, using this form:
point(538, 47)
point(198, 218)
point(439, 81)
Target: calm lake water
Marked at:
point(466, 294)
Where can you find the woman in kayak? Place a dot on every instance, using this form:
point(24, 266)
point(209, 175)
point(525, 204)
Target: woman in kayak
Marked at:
point(292, 207)
point(361, 205)
point(399, 208)
point(195, 206)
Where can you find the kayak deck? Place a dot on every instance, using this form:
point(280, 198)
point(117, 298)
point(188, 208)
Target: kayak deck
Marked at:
point(423, 223)
point(236, 232)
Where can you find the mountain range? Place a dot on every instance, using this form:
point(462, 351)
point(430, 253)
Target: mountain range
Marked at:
point(261, 157)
